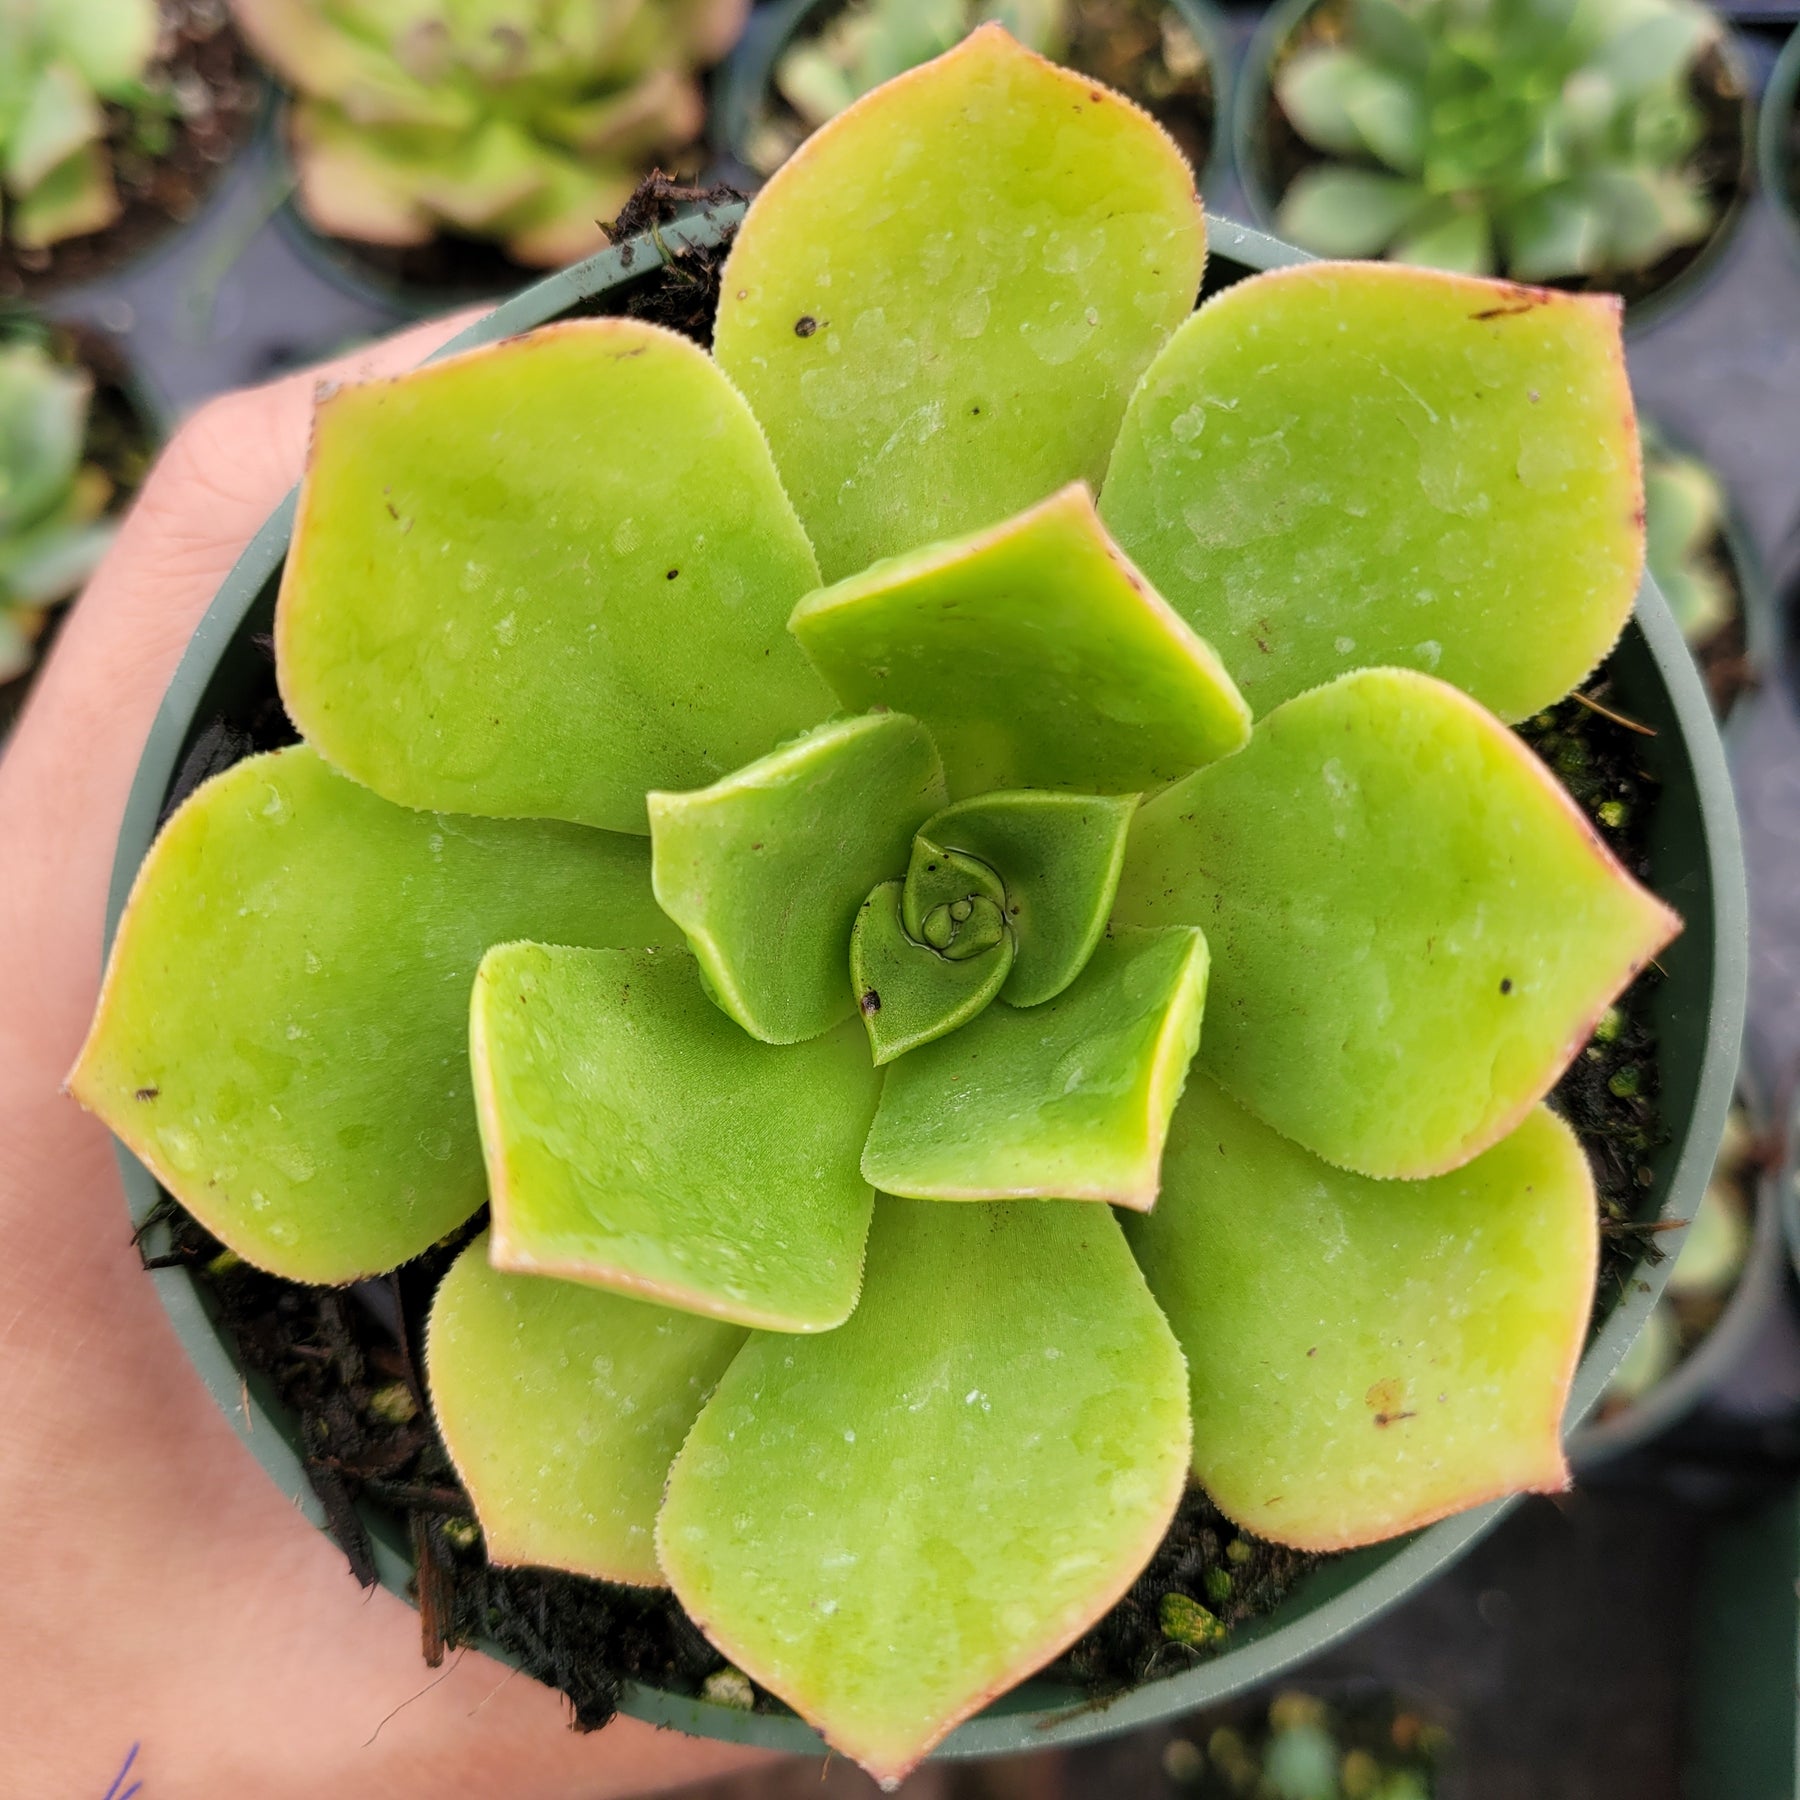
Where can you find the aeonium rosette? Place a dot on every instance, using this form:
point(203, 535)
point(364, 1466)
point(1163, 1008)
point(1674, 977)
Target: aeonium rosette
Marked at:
point(873, 860)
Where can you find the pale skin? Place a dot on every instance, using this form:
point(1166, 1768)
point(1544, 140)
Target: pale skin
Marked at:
point(158, 1589)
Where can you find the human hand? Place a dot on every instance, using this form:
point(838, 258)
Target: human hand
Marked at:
point(158, 1589)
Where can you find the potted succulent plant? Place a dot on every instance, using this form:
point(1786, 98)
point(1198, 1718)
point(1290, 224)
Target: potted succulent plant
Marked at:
point(773, 777)
point(801, 62)
point(1778, 137)
point(75, 440)
point(444, 152)
point(115, 121)
point(1603, 146)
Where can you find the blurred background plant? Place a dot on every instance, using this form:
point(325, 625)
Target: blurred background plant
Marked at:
point(1546, 139)
point(523, 122)
point(74, 444)
point(61, 63)
point(1371, 1747)
point(1164, 54)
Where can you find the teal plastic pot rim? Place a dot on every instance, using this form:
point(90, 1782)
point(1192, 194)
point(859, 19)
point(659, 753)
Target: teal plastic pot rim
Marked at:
point(1780, 98)
point(745, 78)
point(1253, 92)
point(1341, 1595)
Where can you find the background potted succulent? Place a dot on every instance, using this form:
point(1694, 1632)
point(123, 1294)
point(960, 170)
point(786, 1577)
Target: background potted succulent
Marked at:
point(801, 62)
point(115, 121)
point(1778, 137)
point(864, 898)
point(75, 440)
point(1602, 146)
point(1706, 567)
point(440, 152)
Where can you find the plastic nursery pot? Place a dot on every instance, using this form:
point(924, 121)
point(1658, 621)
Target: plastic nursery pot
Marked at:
point(1256, 118)
point(1698, 1012)
point(1744, 1711)
point(1761, 1284)
point(1778, 139)
point(745, 86)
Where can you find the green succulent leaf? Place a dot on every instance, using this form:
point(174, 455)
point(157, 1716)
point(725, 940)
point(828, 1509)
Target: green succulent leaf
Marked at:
point(562, 1408)
point(766, 870)
point(281, 1037)
point(941, 304)
point(74, 198)
point(1415, 1363)
point(1347, 212)
point(544, 577)
point(1460, 241)
point(1684, 513)
point(1059, 857)
point(1034, 652)
point(60, 116)
point(43, 424)
point(639, 1140)
point(1557, 231)
point(111, 42)
point(1315, 88)
point(909, 992)
point(971, 1472)
point(938, 880)
point(1347, 465)
point(1067, 1100)
point(1410, 961)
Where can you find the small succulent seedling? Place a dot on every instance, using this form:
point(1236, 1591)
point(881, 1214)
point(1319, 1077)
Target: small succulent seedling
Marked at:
point(61, 63)
point(1546, 141)
point(767, 829)
point(53, 528)
point(523, 123)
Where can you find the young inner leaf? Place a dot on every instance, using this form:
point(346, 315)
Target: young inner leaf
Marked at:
point(1035, 653)
point(765, 870)
point(640, 1140)
point(1069, 1100)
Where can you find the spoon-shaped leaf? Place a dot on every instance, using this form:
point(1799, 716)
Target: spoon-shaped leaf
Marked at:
point(1352, 464)
point(282, 1035)
point(541, 578)
point(971, 1471)
point(1367, 1356)
point(1059, 856)
point(907, 993)
point(562, 1408)
point(1069, 1100)
point(640, 1140)
point(1408, 960)
point(1035, 653)
point(940, 304)
point(765, 870)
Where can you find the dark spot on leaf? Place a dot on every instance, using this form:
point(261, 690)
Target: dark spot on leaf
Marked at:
point(671, 575)
point(870, 1004)
point(391, 512)
point(1314, 1351)
point(147, 1093)
point(1506, 984)
point(1393, 1418)
point(805, 325)
point(1095, 95)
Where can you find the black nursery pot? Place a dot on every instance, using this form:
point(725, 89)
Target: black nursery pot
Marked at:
point(746, 83)
point(1256, 114)
point(1698, 1012)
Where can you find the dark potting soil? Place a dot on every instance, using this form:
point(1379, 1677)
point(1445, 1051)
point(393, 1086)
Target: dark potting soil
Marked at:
point(1721, 159)
point(121, 441)
point(164, 166)
point(1140, 48)
point(345, 1364)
